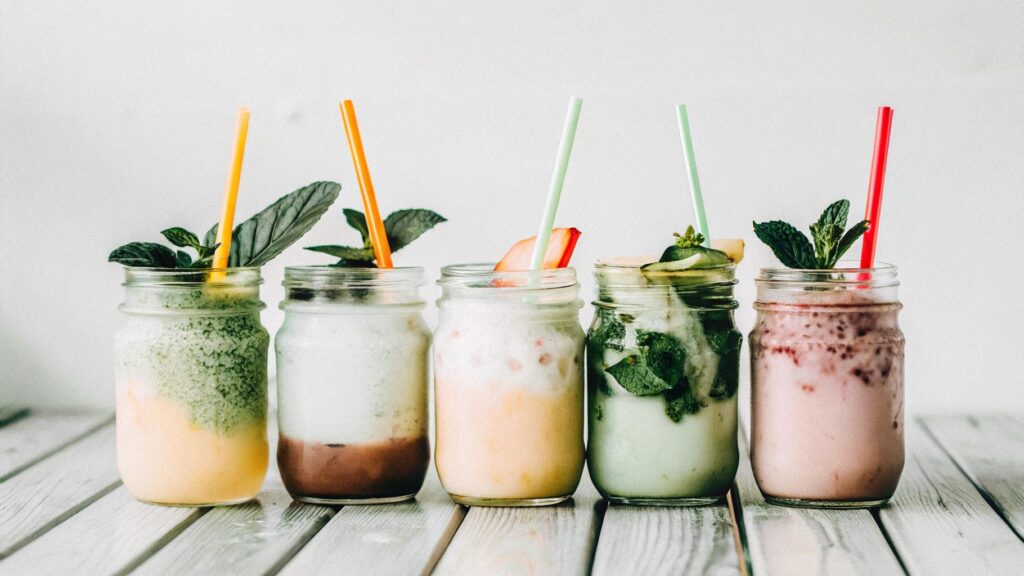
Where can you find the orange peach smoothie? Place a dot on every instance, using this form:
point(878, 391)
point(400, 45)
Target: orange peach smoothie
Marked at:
point(164, 457)
point(502, 441)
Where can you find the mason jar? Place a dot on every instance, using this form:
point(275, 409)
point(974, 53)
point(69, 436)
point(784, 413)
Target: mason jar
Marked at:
point(508, 386)
point(191, 386)
point(827, 387)
point(352, 385)
point(662, 373)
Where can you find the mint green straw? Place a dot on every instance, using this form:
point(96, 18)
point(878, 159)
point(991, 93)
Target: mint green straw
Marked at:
point(691, 171)
point(540, 248)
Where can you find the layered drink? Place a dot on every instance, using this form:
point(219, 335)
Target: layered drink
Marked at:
point(352, 385)
point(663, 371)
point(191, 386)
point(508, 381)
point(827, 396)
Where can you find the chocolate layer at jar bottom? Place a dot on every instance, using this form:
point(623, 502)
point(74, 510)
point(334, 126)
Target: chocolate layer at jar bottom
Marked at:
point(389, 469)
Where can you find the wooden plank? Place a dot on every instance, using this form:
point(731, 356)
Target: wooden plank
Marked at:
point(990, 450)
point(9, 414)
point(253, 538)
point(940, 524)
point(395, 539)
point(789, 541)
point(548, 540)
point(111, 536)
point(56, 488)
point(29, 440)
point(638, 540)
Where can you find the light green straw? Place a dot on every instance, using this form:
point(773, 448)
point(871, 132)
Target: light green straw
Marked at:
point(540, 248)
point(691, 171)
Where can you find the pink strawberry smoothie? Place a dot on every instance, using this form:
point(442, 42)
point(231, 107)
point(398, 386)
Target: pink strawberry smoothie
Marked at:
point(827, 398)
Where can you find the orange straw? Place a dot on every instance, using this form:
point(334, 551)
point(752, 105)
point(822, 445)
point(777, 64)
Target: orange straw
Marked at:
point(227, 218)
point(375, 224)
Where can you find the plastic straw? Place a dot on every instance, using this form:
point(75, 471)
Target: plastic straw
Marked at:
point(691, 171)
point(221, 256)
point(374, 222)
point(572, 119)
point(876, 183)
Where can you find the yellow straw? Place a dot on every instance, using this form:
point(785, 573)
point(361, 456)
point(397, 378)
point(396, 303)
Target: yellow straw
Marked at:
point(227, 218)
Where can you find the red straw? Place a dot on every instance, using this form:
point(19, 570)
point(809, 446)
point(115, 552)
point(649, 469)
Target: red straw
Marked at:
point(874, 207)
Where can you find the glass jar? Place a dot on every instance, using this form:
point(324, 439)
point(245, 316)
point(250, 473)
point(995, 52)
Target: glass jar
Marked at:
point(508, 386)
point(662, 373)
point(191, 379)
point(827, 387)
point(352, 385)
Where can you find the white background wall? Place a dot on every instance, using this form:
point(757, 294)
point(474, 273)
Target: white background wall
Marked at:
point(116, 121)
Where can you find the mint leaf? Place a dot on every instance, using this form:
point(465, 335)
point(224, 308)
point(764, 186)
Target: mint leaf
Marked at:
point(404, 226)
point(827, 232)
point(848, 239)
point(663, 354)
point(144, 255)
point(182, 259)
point(260, 238)
point(788, 244)
point(633, 374)
point(680, 401)
point(658, 366)
point(727, 379)
point(357, 220)
point(608, 333)
point(182, 238)
point(826, 239)
point(835, 214)
point(345, 252)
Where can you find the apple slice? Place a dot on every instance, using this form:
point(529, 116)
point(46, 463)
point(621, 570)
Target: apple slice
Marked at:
point(733, 248)
point(560, 248)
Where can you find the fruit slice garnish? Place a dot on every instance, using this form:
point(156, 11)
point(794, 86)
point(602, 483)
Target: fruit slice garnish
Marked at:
point(560, 248)
point(733, 248)
point(675, 265)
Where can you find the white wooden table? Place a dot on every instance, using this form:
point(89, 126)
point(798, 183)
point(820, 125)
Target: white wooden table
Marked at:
point(959, 510)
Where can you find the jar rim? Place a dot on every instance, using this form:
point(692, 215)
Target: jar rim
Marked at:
point(192, 277)
point(882, 275)
point(327, 276)
point(483, 276)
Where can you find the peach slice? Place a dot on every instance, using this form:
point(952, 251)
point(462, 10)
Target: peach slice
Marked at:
point(560, 248)
point(733, 248)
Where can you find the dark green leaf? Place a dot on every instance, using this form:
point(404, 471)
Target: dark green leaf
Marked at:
point(144, 255)
point(357, 220)
point(826, 238)
point(848, 239)
point(207, 251)
point(183, 259)
point(835, 214)
point(204, 262)
point(790, 246)
point(262, 237)
point(608, 332)
point(404, 226)
point(343, 263)
point(727, 379)
point(658, 367)
point(637, 377)
point(663, 353)
point(345, 252)
point(181, 238)
point(210, 239)
point(680, 401)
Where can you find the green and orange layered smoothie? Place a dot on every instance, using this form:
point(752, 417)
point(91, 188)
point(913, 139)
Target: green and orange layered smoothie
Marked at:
point(191, 379)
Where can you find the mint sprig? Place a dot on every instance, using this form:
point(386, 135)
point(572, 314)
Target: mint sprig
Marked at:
point(831, 240)
point(254, 242)
point(402, 228)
